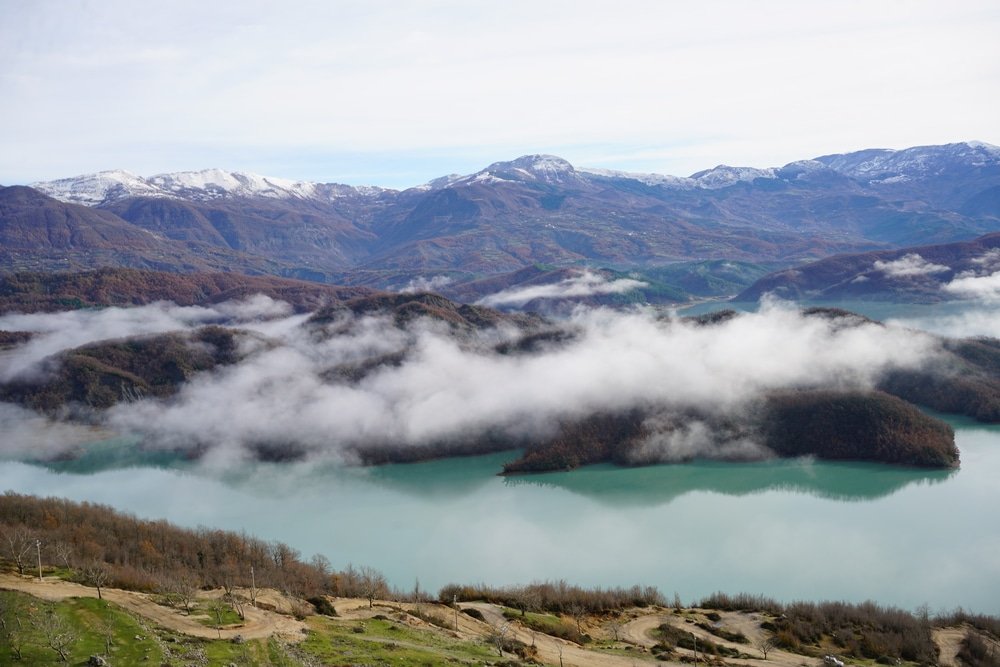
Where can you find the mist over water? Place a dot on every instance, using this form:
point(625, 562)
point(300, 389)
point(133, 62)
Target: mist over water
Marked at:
point(290, 392)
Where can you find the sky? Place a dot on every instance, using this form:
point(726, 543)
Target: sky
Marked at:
point(397, 93)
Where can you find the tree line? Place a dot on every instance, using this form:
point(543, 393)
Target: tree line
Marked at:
point(104, 547)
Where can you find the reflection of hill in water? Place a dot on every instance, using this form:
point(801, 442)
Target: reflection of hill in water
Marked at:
point(120, 452)
point(441, 478)
point(457, 477)
point(851, 482)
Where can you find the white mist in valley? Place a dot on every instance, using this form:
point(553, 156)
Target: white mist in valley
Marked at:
point(575, 287)
point(298, 385)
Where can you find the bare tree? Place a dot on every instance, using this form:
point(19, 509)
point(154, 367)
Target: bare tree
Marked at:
point(230, 572)
point(57, 634)
point(18, 543)
point(64, 552)
point(14, 638)
point(218, 608)
point(372, 583)
point(525, 599)
point(96, 574)
point(577, 611)
point(616, 624)
point(764, 644)
point(180, 590)
point(106, 629)
point(236, 602)
point(498, 636)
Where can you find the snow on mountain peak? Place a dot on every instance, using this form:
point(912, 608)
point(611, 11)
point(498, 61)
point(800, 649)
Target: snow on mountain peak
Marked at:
point(647, 179)
point(724, 176)
point(548, 168)
point(883, 165)
point(107, 187)
point(215, 183)
point(93, 189)
point(547, 164)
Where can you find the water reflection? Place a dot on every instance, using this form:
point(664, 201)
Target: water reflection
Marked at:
point(849, 482)
point(459, 477)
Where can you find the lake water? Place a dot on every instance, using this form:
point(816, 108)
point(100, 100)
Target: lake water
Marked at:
point(790, 529)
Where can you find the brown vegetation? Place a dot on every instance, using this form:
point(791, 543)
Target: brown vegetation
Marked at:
point(558, 596)
point(50, 292)
point(103, 374)
point(863, 631)
point(870, 426)
point(113, 549)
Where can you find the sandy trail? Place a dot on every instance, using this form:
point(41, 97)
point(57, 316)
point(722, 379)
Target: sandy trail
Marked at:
point(949, 641)
point(258, 624)
point(550, 649)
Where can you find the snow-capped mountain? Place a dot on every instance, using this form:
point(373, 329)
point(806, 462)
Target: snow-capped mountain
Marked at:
point(96, 189)
point(660, 180)
point(871, 167)
point(548, 169)
point(215, 183)
point(881, 165)
point(108, 187)
point(723, 176)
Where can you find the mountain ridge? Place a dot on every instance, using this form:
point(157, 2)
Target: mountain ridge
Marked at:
point(535, 209)
point(876, 164)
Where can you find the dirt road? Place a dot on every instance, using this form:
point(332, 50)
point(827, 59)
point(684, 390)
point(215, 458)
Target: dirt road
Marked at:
point(258, 623)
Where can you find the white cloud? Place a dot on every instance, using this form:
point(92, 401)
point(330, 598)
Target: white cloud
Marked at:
point(583, 285)
point(451, 389)
point(446, 388)
point(421, 284)
point(911, 265)
point(55, 332)
point(983, 320)
point(989, 260)
point(986, 288)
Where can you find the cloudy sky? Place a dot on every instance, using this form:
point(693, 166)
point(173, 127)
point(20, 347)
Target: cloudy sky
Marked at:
point(397, 93)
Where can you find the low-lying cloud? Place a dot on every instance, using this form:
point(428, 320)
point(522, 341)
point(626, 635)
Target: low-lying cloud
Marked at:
point(911, 265)
point(65, 330)
point(973, 286)
point(584, 285)
point(441, 387)
point(421, 284)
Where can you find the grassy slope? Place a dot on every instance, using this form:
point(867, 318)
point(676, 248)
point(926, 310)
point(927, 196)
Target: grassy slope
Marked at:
point(329, 641)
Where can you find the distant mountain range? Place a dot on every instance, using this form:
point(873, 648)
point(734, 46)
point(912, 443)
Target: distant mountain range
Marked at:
point(506, 218)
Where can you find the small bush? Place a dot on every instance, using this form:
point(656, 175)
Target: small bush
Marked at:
point(322, 605)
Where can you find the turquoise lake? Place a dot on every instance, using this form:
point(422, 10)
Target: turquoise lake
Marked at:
point(792, 529)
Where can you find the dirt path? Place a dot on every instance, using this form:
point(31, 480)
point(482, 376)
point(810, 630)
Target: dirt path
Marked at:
point(551, 650)
point(949, 641)
point(258, 624)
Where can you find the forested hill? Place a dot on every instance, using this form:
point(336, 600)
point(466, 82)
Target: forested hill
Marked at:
point(49, 292)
